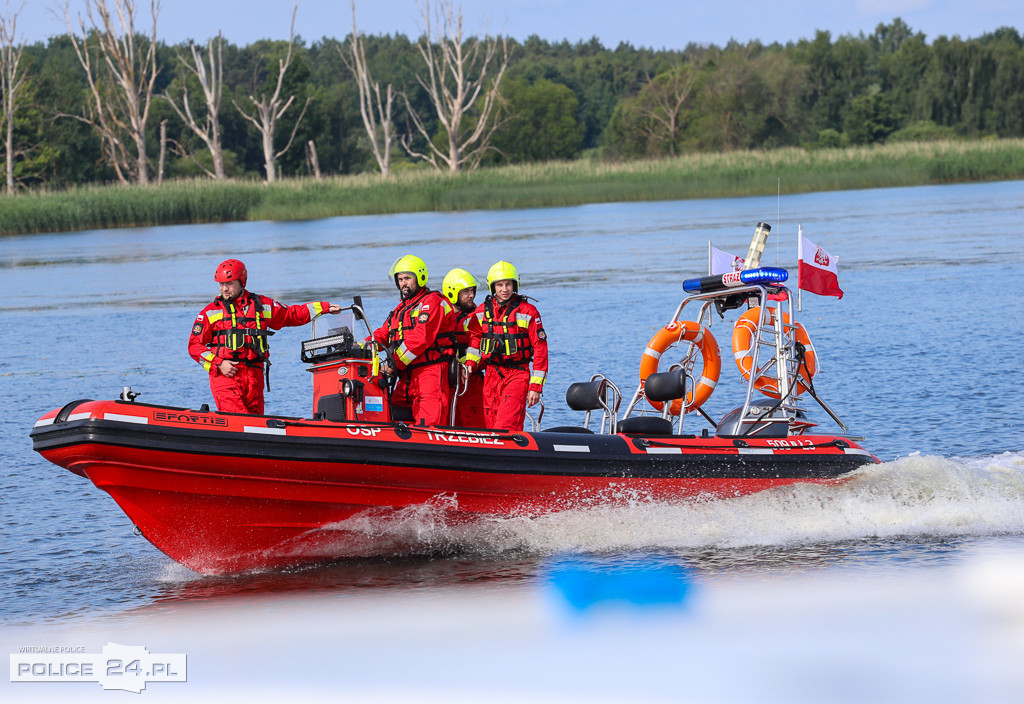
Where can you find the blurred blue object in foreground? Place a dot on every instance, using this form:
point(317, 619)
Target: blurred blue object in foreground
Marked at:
point(647, 581)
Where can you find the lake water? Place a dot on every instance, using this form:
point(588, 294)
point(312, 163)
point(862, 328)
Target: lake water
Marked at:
point(921, 358)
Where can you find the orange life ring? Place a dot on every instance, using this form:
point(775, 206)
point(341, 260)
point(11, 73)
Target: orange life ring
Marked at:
point(743, 336)
point(685, 331)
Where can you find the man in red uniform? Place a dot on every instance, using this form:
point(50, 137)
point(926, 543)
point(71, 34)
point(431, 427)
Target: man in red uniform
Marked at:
point(459, 287)
point(510, 338)
point(411, 331)
point(229, 338)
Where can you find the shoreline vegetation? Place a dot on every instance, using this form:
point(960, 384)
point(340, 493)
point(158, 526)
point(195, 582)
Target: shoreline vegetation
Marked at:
point(549, 184)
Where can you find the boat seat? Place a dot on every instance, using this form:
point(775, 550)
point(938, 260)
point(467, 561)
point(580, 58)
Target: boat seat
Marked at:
point(645, 425)
point(569, 429)
point(666, 386)
point(585, 395)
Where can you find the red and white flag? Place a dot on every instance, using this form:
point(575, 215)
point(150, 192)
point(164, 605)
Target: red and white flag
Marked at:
point(817, 269)
point(723, 262)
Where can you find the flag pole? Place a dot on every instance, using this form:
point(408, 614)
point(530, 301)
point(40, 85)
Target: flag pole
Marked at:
point(709, 257)
point(799, 258)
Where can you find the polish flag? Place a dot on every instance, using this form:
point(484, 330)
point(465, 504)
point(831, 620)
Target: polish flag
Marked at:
point(817, 269)
point(723, 262)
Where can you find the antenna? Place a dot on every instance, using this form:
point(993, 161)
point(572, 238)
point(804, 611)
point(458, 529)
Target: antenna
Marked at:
point(778, 216)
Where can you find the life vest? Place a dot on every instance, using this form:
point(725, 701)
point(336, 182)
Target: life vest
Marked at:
point(405, 318)
point(456, 342)
point(239, 337)
point(505, 341)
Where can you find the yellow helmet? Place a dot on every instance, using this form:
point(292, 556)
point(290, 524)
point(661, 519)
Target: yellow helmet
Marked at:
point(502, 271)
point(456, 280)
point(410, 265)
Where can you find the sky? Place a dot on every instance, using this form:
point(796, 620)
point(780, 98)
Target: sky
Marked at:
point(657, 24)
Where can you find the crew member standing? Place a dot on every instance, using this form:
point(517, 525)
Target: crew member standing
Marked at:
point(411, 331)
point(510, 338)
point(229, 338)
point(459, 287)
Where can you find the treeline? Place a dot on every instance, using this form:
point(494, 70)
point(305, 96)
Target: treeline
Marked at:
point(558, 100)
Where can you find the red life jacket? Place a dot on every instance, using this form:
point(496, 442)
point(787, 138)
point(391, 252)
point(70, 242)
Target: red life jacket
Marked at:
point(505, 342)
point(405, 318)
point(248, 330)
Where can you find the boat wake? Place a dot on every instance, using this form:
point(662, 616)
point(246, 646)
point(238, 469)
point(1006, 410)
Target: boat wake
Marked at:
point(917, 496)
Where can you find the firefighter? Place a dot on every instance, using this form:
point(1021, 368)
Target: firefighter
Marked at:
point(411, 332)
point(511, 338)
point(229, 338)
point(459, 287)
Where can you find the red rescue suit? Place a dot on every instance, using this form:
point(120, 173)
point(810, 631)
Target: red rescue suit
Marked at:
point(411, 331)
point(238, 331)
point(469, 407)
point(510, 338)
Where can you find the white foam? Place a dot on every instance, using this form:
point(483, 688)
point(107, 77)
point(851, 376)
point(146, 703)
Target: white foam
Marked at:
point(912, 496)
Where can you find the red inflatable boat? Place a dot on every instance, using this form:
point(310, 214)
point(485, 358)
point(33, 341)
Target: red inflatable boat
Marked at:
point(224, 492)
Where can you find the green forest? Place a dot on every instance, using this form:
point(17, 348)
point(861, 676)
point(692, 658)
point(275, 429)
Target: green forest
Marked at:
point(554, 101)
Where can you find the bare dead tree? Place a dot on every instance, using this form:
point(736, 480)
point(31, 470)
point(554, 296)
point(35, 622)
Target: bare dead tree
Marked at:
point(163, 152)
point(662, 100)
point(459, 71)
point(268, 110)
point(121, 71)
point(376, 111)
point(312, 160)
point(12, 80)
point(211, 82)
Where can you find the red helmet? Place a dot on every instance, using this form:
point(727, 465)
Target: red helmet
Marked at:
point(230, 270)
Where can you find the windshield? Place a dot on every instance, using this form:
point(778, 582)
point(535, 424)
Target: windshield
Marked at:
point(328, 325)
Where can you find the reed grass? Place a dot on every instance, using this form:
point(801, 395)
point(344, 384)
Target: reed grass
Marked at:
point(729, 174)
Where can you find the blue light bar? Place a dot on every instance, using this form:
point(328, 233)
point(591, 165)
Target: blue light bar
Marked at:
point(764, 276)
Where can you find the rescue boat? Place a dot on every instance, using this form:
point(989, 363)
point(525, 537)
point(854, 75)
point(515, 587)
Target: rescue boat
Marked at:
point(224, 492)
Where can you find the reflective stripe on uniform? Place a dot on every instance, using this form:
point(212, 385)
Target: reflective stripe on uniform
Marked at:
point(404, 354)
point(315, 309)
point(214, 315)
point(523, 319)
point(538, 377)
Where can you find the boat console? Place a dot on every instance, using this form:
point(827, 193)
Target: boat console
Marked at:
point(347, 381)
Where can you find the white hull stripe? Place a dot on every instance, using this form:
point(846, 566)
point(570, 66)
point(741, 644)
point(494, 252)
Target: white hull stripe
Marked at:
point(664, 450)
point(755, 451)
point(124, 419)
point(265, 431)
point(856, 451)
point(81, 416)
point(47, 421)
point(571, 448)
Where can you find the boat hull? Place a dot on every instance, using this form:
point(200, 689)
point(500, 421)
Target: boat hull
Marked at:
point(226, 493)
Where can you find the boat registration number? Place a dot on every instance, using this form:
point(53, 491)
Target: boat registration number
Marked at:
point(789, 443)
